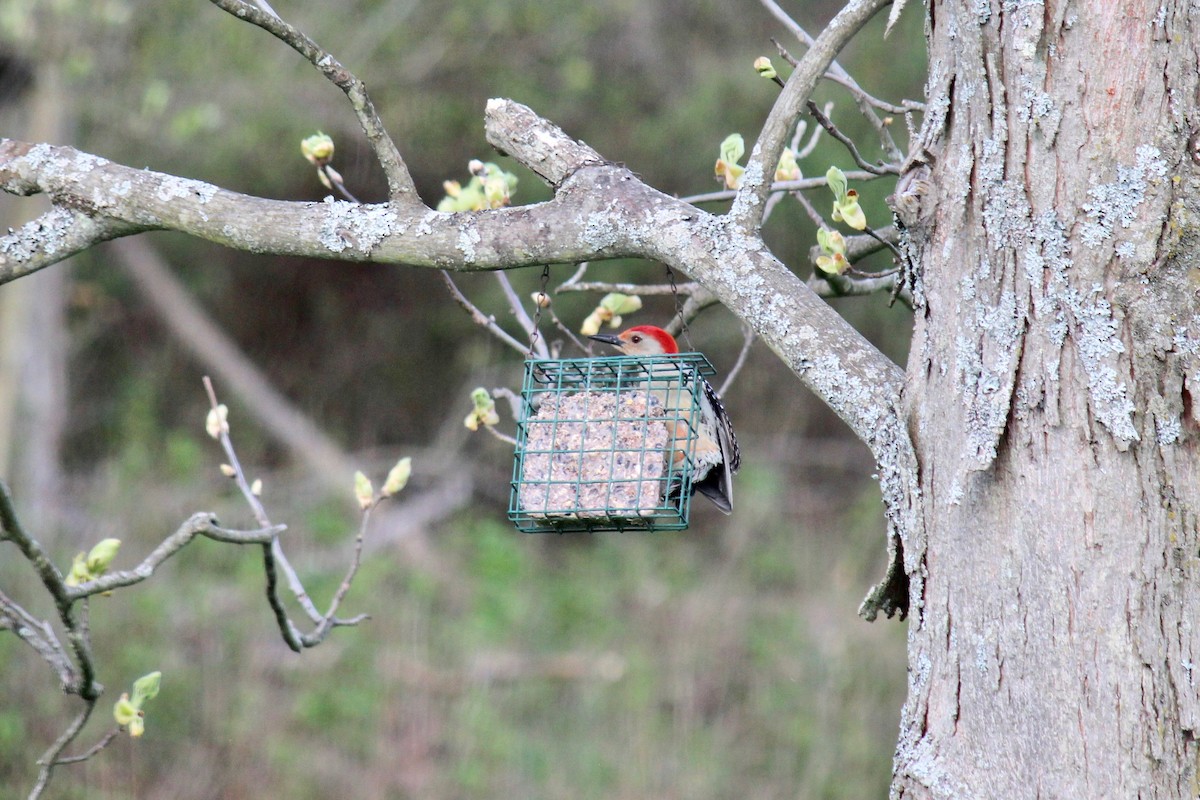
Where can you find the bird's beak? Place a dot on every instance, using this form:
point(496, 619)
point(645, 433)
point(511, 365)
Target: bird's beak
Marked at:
point(608, 338)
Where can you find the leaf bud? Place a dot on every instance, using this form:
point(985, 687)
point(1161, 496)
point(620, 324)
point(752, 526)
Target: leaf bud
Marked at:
point(318, 149)
point(124, 712)
point(837, 182)
point(397, 478)
point(79, 572)
point(591, 325)
point(363, 491)
point(217, 421)
point(102, 555)
point(618, 303)
point(146, 688)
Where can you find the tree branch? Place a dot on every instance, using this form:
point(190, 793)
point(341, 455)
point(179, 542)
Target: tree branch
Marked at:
point(130, 200)
point(751, 198)
point(39, 635)
point(203, 523)
point(50, 758)
point(400, 185)
point(479, 318)
point(840, 76)
point(54, 236)
point(599, 210)
point(275, 561)
point(779, 186)
point(848, 143)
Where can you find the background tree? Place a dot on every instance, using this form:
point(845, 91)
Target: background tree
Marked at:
point(1047, 436)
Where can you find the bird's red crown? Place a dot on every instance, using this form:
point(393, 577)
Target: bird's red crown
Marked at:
point(664, 339)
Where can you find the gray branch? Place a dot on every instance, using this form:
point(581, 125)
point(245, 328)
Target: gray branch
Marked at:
point(200, 524)
point(400, 185)
point(760, 167)
point(599, 210)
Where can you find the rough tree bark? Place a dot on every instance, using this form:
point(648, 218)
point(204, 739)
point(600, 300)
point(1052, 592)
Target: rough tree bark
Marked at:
point(1054, 392)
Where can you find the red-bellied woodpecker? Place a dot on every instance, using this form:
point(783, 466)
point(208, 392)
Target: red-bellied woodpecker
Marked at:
point(716, 457)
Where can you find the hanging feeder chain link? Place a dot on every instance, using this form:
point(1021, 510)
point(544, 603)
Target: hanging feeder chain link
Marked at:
point(683, 326)
point(537, 311)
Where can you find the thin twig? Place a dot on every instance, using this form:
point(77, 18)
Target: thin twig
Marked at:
point(885, 242)
point(482, 319)
point(773, 200)
point(828, 286)
point(751, 198)
point(331, 620)
point(39, 635)
point(696, 302)
point(104, 742)
point(275, 561)
point(835, 72)
point(400, 183)
point(811, 210)
point(843, 80)
point(779, 186)
point(504, 437)
point(824, 121)
point(805, 151)
point(514, 302)
point(85, 684)
point(515, 404)
point(49, 759)
point(558, 323)
point(200, 524)
point(272, 553)
point(748, 338)
point(648, 290)
point(579, 273)
point(335, 180)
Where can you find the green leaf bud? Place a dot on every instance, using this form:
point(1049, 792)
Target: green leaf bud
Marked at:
point(835, 264)
point(124, 712)
point(318, 149)
point(837, 182)
point(363, 491)
point(102, 555)
point(788, 169)
point(727, 166)
point(79, 572)
point(146, 688)
point(849, 211)
point(397, 478)
point(618, 303)
point(591, 325)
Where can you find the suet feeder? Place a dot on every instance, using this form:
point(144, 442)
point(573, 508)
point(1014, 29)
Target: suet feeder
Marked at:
point(606, 444)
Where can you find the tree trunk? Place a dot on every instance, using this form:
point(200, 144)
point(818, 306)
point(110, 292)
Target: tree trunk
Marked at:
point(1054, 384)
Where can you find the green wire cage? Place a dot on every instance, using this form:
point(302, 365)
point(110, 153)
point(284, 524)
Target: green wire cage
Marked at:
point(605, 444)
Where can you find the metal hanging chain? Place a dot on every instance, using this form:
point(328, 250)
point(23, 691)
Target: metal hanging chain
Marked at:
point(683, 326)
point(537, 312)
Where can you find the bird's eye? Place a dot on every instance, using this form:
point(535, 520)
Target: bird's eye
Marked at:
point(636, 339)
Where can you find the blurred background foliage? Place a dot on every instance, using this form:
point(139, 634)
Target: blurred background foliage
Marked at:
point(727, 660)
